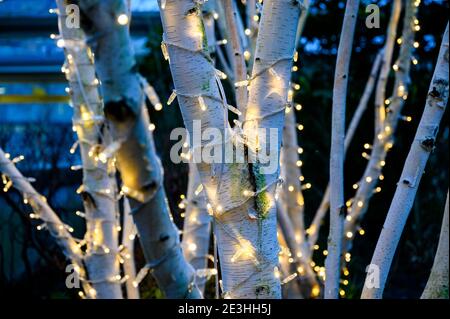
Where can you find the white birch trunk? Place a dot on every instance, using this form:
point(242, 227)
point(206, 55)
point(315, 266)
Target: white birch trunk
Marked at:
point(337, 207)
point(140, 167)
point(99, 190)
point(437, 285)
point(385, 138)
point(129, 265)
point(240, 69)
point(380, 92)
point(197, 229)
point(12, 177)
point(301, 23)
point(314, 228)
point(247, 244)
point(413, 169)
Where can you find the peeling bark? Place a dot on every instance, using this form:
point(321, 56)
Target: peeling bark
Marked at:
point(412, 172)
point(140, 167)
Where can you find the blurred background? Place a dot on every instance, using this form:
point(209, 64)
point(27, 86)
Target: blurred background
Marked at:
point(35, 121)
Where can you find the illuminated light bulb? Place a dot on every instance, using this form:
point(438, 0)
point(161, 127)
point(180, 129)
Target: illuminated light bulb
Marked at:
point(299, 163)
point(399, 40)
point(158, 106)
point(181, 205)
point(298, 107)
point(291, 260)
point(131, 237)
point(378, 189)
point(53, 36)
point(123, 19)
point(345, 282)
point(387, 129)
point(415, 61)
point(316, 247)
point(348, 255)
point(294, 68)
point(416, 44)
point(408, 118)
point(360, 203)
point(417, 28)
point(312, 263)
point(381, 177)
point(302, 178)
point(349, 234)
point(342, 293)
point(367, 146)
point(315, 291)
point(256, 18)
point(362, 232)
point(380, 136)
point(92, 292)
point(219, 208)
point(297, 87)
point(248, 32)
point(300, 150)
point(106, 250)
point(316, 268)
point(215, 15)
point(382, 163)
point(300, 127)
point(67, 90)
point(395, 67)
point(365, 155)
point(192, 247)
point(389, 145)
point(325, 252)
point(247, 55)
point(355, 186)
point(291, 188)
point(346, 272)
point(387, 101)
point(299, 255)
point(60, 43)
point(349, 218)
point(81, 294)
point(368, 179)
point(151, 127)
point(307, 186)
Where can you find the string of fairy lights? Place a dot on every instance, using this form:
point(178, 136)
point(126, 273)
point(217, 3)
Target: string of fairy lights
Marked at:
point(385, 138)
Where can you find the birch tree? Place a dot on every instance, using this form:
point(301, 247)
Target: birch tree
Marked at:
point(384, 138)
point(437, 285)
point(337, 208)
point(413, 169)
point(314, 228)
point(140, 167)
point(11, 177)
point(245, 226)
point(380, 93)
point(99, 191)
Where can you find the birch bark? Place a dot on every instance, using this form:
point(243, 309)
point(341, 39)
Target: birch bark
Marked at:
point(337, 208)
point(314, 228)
point(380, 92)
point(197, 229)
point(247, 242)
point(240, 69)
point(412, 172)
point(385, 138)
point(99, 191)
point(140, 167)
point(129, 265)
point(42, 211)
point(437, 285)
